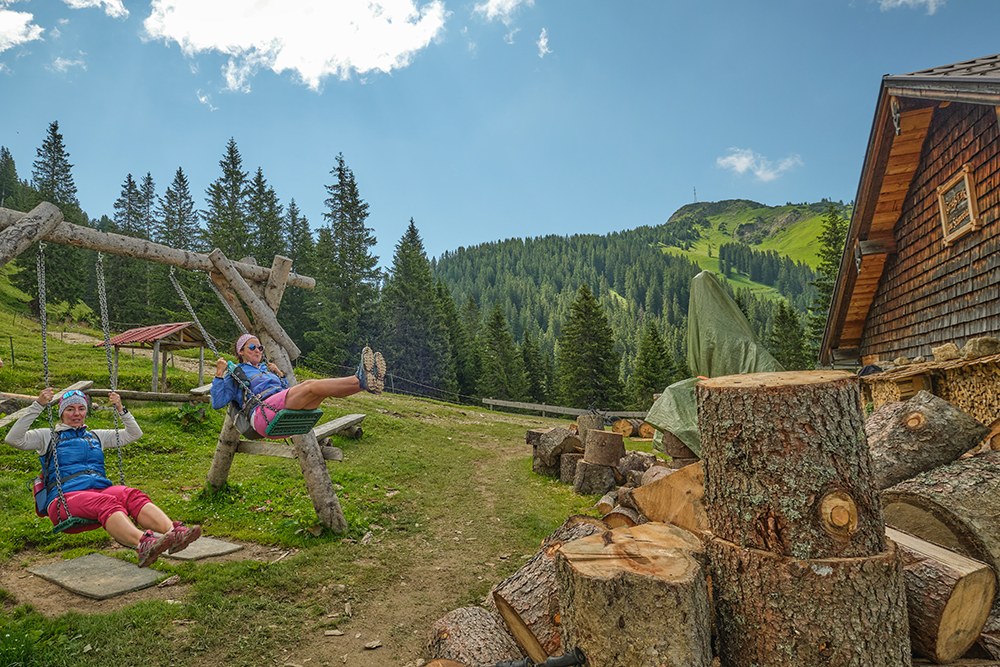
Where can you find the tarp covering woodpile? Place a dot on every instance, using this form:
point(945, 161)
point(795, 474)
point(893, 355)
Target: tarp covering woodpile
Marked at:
point(720, 342)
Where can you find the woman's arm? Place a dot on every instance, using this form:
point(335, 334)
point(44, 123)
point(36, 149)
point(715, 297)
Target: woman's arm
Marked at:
point(225, 391)
point(110, 438)
point(21, 438)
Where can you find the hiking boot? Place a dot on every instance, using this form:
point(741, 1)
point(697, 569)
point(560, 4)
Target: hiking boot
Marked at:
point(379, 372)
point(366, 372)
point(150, 547)
point(183, 536)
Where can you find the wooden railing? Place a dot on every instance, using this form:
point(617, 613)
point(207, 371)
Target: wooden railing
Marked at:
point(558, 410)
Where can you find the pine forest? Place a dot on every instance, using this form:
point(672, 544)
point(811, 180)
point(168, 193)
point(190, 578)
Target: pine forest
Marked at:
point(582, 321)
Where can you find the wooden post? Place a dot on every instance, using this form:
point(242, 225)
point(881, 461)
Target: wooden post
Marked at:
point(156, 368)
point(222, 460)
point(201, 365)
point(29, 228)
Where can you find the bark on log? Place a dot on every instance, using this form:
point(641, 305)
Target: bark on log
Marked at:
point(784, 612)
point(567, 466)
point(162, 397)
point(675, 448)
point(646, 431)
point(534, 435)
point(586, 423)
point(593, 479)
point(554, 443)
point(84, 237)
point(948, 597)
point(907, 438)
point(627, 427)
point(675, 499)
point(31, 227)
point(635, 461)
point(603, 448)
point(622, 516)
point(472, 636)
point(655, 473)
point(607, 503)
point(787, 467)
point(637, 597)
point(955, 506)
point(677, 462)
point(539, 466)
point(531, 592)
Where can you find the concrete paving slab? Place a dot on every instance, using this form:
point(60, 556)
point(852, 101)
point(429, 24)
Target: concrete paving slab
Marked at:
point(204, 547)
point(98, 576)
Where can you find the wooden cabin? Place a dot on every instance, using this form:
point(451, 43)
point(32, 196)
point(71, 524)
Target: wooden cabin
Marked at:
point(921, 266)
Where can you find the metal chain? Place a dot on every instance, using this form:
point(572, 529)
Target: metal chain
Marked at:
point(229, 309)
point(194, 316)
point(112, 376)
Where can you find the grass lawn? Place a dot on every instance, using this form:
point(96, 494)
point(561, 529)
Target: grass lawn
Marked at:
point(440, 502)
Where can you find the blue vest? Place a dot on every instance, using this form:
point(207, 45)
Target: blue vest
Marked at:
point(81, 463)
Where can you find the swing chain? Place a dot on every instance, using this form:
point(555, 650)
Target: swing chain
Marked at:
point(194, 316)
point(112, 376)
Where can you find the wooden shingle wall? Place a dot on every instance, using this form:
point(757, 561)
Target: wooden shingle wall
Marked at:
point(929, 294)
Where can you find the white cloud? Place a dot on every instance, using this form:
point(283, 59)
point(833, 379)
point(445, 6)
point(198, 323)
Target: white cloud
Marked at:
point(742, 160)
point(509, 37)
point(468, 40)
point(312, 38)
point(62, 65)
point(931, 5)
point(543, 44)
point(16, 28)
point(113, 8)
point(501, 9)
point(206, 100)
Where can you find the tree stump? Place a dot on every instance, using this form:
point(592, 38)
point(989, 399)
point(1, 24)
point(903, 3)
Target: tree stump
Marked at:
point(472, 636)
point(593, 479)
point(956, 506)
point(635, 596)
point(787, 467)
point(921, 434)
point(603, 448)
point(529, 597)
point(948, 597)
point(784, 612)
point(567, 466)
point(586, 423)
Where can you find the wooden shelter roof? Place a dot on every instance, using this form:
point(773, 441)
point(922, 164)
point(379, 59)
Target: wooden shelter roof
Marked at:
point(175, 336)
point(903, 115)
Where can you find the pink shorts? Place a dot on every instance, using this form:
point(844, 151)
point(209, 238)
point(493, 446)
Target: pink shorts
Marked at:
point(263, 414)
point(98, 504)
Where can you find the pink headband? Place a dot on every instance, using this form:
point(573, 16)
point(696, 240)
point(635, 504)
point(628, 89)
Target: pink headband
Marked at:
point(242, 340)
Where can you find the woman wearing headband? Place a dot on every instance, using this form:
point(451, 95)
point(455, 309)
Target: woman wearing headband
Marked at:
point(268, 384)
point(78, 456)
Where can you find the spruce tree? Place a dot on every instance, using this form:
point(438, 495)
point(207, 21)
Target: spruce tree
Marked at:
point(10, 186)
point(831, 248)
point(124, 277)
point(226, 222)
point(265, 218)
point(415, 341)
point(653, 368)
point(787, 342)
point(588, 363)
point(299, 246)
point(354, 275)
point(503, 375)
point(176, 222)
point(52, 174)
point(458, 337)
point(537, 384)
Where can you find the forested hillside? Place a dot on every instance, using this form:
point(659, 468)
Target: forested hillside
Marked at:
point(523, 319)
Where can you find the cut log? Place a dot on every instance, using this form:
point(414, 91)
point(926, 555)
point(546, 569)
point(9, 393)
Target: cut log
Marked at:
point(522, 634)
point(637, 597)
point(554, 443)
point(634, 478)
point(534, 435)
point(603, 448)
point(607, 503)
point(955, 506)
point(593, 479)
point(948, 597)
point(472, 636)
point(539, 466)
point(586, 423)
point(923, 433)
point(785, 612)
point(529, 598)
point(637, 462)
point(675, 499)
point(655, 473)
point(338, 426)
point(82, 385)
point(30, 228)
point(678, 462)
point(673, 447)
point(626, 427)
point(622, 516)
point(567, 466)
point(646, 431)
point(787, 467)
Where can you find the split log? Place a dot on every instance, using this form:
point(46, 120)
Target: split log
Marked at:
point(593, 479)
point(637, 597)
point(787, 467)
point(907, 438)
point(675, 499)
point(655, 473)
point(955, 506)
point(646, 431)
point(603, 448)
point(529, 598)
point(627, 427)
point(567, 466)
point(948, 597)
point(607, 503)
point(636, 462)
point(472, 636)
point(674, 447)
point(785, 612)
point(622, 516)
point(554, 443)
point(534, 435)
point(586, 423)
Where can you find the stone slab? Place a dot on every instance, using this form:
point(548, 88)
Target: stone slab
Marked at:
point(204, 547)
point(98, 576)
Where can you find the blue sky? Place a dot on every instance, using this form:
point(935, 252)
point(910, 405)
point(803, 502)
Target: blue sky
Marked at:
point(481, 120)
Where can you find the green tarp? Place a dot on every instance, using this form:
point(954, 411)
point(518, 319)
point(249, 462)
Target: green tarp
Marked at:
point(720, 342)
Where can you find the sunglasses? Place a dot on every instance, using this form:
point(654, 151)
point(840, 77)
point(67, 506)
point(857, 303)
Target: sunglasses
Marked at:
point(75, 392)
point(251, 346)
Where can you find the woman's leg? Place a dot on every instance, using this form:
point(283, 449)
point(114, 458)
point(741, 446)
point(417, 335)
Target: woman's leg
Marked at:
point(309, 394)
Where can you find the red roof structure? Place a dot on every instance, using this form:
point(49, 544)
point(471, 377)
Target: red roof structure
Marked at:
point(162, 338)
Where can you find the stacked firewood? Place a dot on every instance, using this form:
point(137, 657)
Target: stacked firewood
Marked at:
point(794, 542)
